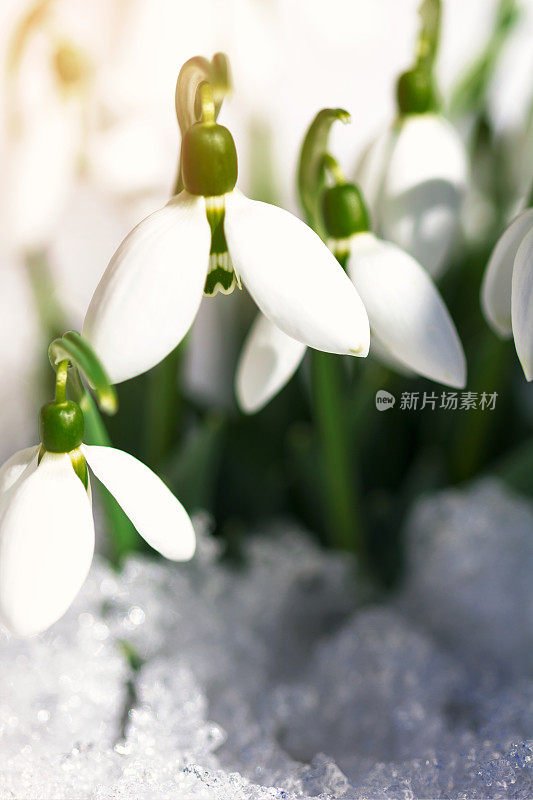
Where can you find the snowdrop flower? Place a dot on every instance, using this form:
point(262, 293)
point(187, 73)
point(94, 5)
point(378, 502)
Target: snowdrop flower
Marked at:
point(208, 239)
point(408, 318)
point(81, 103)
point(414, 177)
point(46, 522)
point(507, 288)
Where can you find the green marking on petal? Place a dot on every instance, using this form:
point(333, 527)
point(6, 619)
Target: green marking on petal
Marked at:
point(79, 465)
point(221, 276)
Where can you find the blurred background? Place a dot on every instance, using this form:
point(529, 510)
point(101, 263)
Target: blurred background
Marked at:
point(89, 145)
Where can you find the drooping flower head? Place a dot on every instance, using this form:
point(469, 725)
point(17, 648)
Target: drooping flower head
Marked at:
point(46, 522)
point(414, 174)
point(210, 238)
point(409, 320)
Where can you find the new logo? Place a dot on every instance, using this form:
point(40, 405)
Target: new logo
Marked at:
point(384, 400)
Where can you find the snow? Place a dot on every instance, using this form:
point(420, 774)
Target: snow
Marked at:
point(282, 676)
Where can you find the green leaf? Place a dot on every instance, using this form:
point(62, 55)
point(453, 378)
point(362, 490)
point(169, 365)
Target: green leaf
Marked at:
point(311, 170)
point(193, 472)
point(516, 469)
point(77, 350)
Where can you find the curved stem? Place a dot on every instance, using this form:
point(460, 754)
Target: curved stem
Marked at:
point(193, 74)
point(311, 177)
point(77, 350)
point(332, 166)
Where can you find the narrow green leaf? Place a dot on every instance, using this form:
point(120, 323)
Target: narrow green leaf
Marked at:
point(193, 471)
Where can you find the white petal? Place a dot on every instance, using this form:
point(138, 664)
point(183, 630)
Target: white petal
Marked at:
point(422, 189)
point(158, 516)
point(522, 304)
point(12, 469)
point(267, 362)
point(46, 545)
point(496, 287)
point(406, 310)
point(149, 295)
point(293, 277)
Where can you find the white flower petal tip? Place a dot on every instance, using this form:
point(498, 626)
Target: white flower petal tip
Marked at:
point(415, 178)
point(496, 288)
point(148, 296)
point(46, 545)
point(293, 277)
point(157, 515)
point(406, 310)
point(522, 304)
point(268, 361)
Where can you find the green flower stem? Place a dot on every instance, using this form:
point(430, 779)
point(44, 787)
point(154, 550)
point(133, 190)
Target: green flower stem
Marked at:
point(428, 36)
point(207, 103)
point(122, 535)
point(341, 507)
point(312, 164)
point(163, 406)
point(61, 381)
point(340, 492)
point(471, 439)
point(41, 280)
point(77, 350)
point(470, 93)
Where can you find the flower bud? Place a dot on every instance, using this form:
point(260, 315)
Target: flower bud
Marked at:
point(209, 160)
point(415, 92)
point(61, 426)
point(344, 211)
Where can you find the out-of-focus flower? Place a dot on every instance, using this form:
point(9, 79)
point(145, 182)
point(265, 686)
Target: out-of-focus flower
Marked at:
point(205, 240)
point(47, 529)
point(408, 317)
point(507, 289)
point(51, 62)
point(414, 177)
point(83, 98)
point(18, 357)
point(414, 174)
